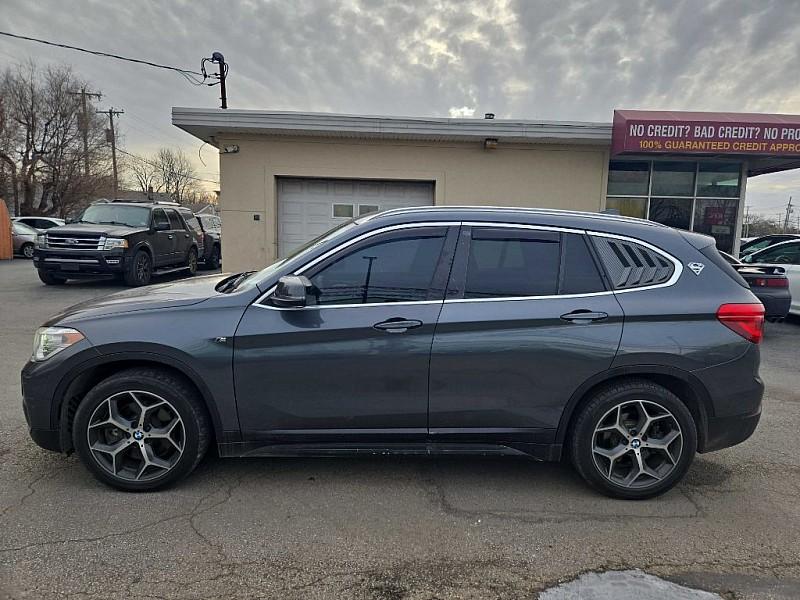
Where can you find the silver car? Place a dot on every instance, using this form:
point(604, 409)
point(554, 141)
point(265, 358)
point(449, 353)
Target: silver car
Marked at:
point(24, 238)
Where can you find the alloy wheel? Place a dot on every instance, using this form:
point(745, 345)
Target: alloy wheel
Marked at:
point(142, 267)
point(637, 443)
point(136, 435)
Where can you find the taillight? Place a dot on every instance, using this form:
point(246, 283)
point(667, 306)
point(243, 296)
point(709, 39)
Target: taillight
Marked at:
point(745, 319)
point(781, 282)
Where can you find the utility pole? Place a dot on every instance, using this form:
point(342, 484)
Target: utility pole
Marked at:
point(85, 124)
point(789, 211)
point(218, 59)
point(747, 221)
point(111, 137)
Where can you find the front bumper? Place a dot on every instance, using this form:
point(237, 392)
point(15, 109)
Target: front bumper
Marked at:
point(43, 387)
point(81, 263)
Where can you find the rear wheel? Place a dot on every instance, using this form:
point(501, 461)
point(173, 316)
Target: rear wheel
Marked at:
point(191, 261)
point(141, 429)
point(48, 278)
point(633, 440)
point(140, 270)
point(212, 262)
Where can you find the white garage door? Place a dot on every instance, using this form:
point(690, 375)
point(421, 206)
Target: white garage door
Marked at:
point(308, 208)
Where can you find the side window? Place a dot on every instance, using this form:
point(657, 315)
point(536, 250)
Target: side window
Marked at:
point(508, 262)
point(631, 265)
point(579, 274)
point(399, 268)
point(159, 218)
point(174, 219)
point(788, 254)
point(193, 222)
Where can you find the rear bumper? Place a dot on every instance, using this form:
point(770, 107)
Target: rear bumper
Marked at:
point(724, 432)
point(776, 302)
point(92, 263)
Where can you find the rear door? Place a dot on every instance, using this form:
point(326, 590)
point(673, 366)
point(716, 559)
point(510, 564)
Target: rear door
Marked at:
point(526, 320)
point(181, 238)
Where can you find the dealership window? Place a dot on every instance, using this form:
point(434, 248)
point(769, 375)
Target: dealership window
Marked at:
point(673, 179)
point(628, 178)
point(718, 180)
point(702, 196)
point(629, 207)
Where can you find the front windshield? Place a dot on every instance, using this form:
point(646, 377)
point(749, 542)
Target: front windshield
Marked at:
point(116, 214)
point(307, 247)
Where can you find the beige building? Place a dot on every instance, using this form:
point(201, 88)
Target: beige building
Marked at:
point(288, 177)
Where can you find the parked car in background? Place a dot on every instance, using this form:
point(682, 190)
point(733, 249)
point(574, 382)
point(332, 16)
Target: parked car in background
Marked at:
point(786, 255)
point(23, 238)
point(424, 330)
point(40, 222)
point(765, 241)
point(131, 240)
point(208, 236)
point(770, 285)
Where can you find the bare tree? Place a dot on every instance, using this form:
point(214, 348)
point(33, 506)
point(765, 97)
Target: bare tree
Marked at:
point(41, 141)
point(169, 172)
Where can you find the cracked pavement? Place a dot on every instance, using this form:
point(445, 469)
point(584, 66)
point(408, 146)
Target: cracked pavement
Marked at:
point(385, 527)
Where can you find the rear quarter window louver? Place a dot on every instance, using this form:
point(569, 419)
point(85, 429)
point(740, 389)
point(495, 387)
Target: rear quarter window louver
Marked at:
point(630, 265)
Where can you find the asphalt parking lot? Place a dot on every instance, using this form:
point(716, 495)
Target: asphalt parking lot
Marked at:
point(385, 527)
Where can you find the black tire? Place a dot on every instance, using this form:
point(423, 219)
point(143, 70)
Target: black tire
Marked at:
point(172, 388)
point(212, 262)
point(582, 441)
point(191, 261)
point(27, 250)
point(140, 270)
point(48, 278)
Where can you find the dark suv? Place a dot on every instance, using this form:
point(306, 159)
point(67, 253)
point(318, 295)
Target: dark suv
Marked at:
point(209, 237)
point(127, 239)
point(620, 343)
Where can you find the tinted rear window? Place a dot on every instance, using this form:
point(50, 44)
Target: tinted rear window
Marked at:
point(579, 271)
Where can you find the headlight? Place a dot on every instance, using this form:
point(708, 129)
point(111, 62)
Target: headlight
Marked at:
point(52, 340)
point(41, 240)
point(114, 243)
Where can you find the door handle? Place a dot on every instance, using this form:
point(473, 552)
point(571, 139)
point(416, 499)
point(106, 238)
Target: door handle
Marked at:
point(170, 236)
point(584, 316)
point(397, 325)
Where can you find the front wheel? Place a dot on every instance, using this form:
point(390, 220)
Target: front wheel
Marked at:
point(141, 429)
point(27, 250)
point(48, 278)
point(140, 270)
point(633, 440)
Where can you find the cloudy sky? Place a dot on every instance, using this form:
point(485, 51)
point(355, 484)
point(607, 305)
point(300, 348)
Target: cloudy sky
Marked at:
point(564, 60)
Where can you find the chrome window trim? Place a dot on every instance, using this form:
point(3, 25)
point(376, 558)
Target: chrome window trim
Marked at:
point(671, 281)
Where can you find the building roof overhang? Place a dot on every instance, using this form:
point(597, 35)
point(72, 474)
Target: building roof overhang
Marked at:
point(210, 125)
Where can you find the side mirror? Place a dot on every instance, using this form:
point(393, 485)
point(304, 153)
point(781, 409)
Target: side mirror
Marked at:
point(69, 220)
point(291, 292)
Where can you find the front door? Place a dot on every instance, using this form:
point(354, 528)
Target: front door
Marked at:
point(353, 366)
point(526, 321)
point(163, 239)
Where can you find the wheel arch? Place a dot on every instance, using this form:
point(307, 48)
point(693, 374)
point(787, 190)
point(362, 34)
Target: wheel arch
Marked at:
point(681, 383)
point(73, 389)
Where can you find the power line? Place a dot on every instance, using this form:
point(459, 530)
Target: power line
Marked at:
point(186, 73)
point(152, 164)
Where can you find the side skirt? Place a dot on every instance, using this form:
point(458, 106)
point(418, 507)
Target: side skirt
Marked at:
point(542, 452)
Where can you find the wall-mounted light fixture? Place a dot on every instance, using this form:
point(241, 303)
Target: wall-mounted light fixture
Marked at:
point(230, 149)
point(490, 144)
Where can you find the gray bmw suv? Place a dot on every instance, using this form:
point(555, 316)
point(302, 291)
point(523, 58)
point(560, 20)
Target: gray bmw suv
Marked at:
point(622, 344)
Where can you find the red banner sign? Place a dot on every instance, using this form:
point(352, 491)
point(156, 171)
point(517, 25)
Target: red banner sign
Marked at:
point(705, 133)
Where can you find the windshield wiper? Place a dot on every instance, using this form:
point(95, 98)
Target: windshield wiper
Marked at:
point(114, 223)
point(233, 282)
